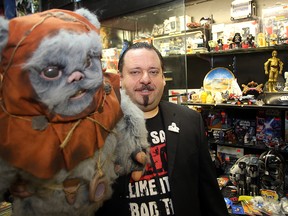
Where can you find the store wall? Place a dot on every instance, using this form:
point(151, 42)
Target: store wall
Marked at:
point(220, 9)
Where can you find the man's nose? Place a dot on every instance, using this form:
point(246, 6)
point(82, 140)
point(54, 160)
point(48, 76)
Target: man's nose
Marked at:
point(145, 78)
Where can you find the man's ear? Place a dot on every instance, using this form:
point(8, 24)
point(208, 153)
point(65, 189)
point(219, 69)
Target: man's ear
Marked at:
point(164, 80)
point(120, 74)
point(121, 77)
point(4, 28)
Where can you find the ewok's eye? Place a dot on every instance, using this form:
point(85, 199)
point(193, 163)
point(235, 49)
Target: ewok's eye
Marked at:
point(51, 73)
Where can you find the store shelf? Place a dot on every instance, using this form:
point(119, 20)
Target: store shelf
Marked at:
point(234, 106)
point(239, 145)
point(244, 51)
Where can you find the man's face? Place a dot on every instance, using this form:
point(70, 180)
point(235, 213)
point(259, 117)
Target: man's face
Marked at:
point(142, 78)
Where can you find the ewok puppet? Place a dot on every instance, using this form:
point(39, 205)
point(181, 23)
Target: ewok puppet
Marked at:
point(67, 131)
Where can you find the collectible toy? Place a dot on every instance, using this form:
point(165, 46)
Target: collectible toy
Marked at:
point(67, 131)
point(273, 68)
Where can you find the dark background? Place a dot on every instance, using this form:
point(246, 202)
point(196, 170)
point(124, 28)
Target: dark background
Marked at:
point(105, 9)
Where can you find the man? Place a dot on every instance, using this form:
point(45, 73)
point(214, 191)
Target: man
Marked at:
point(180, 179)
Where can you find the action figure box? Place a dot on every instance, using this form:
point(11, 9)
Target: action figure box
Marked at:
point(268, 127)
point(222, 135)
point(275, 24)
point(245, 131)
point(217, 118)
point(227, 156)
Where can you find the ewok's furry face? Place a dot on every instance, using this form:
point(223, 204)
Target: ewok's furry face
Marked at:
point(65, 71)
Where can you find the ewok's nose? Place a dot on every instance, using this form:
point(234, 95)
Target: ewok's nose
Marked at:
point(75, 76)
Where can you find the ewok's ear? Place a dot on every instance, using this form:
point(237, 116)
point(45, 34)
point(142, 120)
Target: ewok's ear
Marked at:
point(89, 16)
point(4, 26)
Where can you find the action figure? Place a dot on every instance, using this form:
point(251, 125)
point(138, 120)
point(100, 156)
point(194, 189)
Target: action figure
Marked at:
point(273, 67)
point(220, 43)
point(237, 39)
point(250, 40)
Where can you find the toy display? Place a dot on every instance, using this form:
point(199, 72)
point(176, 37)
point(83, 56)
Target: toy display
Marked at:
point(271, 172)
point(254, 174)
point(245, 175)
point(273, 68)
point(235, 35)
point(66, 130)
point(275, 24)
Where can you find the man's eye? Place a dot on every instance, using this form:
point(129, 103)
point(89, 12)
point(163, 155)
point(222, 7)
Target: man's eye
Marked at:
point(154, 72)
point(51, 73)
point(134, 72)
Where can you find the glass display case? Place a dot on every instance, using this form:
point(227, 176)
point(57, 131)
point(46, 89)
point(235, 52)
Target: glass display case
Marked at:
point(161, 25)
point(188, 42)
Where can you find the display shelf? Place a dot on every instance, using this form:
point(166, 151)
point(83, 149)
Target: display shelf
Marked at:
point(248, 148)
point(243, 112)
point(244, 51)
point(241, 106)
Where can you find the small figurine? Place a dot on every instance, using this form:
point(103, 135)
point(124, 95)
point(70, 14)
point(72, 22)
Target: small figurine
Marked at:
point(251, 87)
point(237, 39)
point(220, 43)
point(250, 40)
point(212, 44)
point(273, 67)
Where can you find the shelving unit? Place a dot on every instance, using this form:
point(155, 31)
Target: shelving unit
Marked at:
point(246, 112)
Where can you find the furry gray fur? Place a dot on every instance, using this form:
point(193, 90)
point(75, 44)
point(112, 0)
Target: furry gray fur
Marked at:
point(129, 134)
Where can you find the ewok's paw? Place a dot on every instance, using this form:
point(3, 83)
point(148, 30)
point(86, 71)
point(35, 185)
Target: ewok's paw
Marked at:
point(141, 158)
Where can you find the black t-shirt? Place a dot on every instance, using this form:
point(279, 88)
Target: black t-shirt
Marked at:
point(150, 196)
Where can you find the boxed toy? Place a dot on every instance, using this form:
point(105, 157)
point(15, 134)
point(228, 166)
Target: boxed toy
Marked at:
point(227, 156)
point(275, 24)
point(222, 135)
point(268, 127)
point(217, 119)
point(245, 131)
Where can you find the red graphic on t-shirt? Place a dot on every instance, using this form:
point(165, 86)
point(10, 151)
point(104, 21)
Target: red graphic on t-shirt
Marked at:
point(158, 167)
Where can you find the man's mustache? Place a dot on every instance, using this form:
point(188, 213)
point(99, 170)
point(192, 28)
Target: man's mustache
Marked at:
point(145, 87)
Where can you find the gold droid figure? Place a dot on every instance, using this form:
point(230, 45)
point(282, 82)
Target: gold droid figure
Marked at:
point(273, 67)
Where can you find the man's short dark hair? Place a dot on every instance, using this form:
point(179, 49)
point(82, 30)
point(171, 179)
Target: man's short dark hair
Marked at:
point(140, 45)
